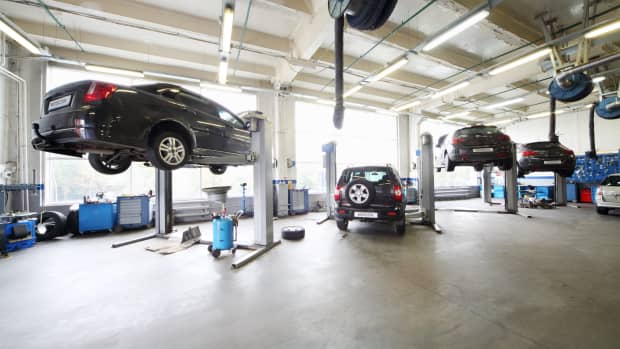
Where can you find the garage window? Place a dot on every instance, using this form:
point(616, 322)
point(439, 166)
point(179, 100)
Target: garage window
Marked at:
point(69, 179)
point(367, 138)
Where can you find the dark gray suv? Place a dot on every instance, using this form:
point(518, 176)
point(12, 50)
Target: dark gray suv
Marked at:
point(370, 193)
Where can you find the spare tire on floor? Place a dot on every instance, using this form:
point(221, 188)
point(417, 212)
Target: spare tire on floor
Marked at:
point(293, 233)
point(53, 225)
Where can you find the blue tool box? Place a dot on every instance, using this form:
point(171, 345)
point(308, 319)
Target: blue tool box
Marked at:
point(26, 228)
point(97, 217)
point(134, 211)
point(298, 201)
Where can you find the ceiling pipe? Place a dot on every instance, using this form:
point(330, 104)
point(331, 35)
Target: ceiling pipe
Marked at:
point(243, 30)
point(590, 65)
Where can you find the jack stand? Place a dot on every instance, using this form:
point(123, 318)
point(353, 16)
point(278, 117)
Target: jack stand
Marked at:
point(329, 163)
point(163, 212)
point(425, 215)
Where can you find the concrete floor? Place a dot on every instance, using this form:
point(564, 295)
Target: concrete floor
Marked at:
point(490, 281)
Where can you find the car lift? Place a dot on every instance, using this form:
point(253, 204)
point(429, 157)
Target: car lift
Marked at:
point(263, 198)
point(425, 214)
point(329, 164)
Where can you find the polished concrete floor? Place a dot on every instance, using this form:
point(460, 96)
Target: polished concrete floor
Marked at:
point(490, 281)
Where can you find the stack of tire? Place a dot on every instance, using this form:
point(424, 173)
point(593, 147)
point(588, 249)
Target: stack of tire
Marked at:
point(52, 224)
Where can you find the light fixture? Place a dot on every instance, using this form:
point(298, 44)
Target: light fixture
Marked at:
point(521, 61)
point(6, 27)
point(227, 27)
point(326, 102)
point(388, 70)
point(463, 116)
point(503, 104)
point(598, 79)
point(171, 77)
point(223, 72)
point(115, 71)
point(452, 32)
point(450, 89)
point(226, 88)
point(407, 106)
point(501, 122)
point(613, 26)
point(545, 114)
point(352, 90)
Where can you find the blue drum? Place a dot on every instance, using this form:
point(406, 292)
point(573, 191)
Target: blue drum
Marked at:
point(223, 233)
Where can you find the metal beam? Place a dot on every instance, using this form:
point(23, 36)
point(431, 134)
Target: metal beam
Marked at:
point(298, 6)
point(320, 81)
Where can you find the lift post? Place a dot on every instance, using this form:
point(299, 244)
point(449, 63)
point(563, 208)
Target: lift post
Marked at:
point(487, 186)
point(329, 163)
point(511, 195)
point(426, 213)
point(560, 190)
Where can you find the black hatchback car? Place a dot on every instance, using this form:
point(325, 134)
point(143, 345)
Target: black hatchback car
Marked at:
point(474, 146)
point(161, 123)
point(370, 193)
point(545, 156)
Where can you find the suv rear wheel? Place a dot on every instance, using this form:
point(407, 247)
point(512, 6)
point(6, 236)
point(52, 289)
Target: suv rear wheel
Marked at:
point(169, 150)
point(602, 210)
point(400, 227)
point(342, 224)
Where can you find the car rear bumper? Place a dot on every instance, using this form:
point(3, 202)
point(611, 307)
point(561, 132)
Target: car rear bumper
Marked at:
point(538, 164)
point(608, 204)
point(466, 154)
point(382, 214)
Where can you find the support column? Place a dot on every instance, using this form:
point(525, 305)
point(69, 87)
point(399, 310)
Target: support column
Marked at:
point(404, 145)
point(263, 176)
point(487, 185)
point(560, 190)
point(511, 192)
point(285, 138)
point(427, 179)
point(163, 185)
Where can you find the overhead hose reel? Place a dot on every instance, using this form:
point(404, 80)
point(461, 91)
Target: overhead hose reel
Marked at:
point(572, 87)
point(362, 15)
point(609, 108)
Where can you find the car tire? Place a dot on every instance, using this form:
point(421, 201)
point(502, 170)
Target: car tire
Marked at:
point(342, 224)
point(360, 193)
point(566, 173)
point(218, 169)
point(449, 164)
point(602, 210)
point(168, 151)
point(478, 168)
point(54, 223)
point(400, 227)
point(293, 233)
point(72, 225)
point(506, 165)
point(101, 164)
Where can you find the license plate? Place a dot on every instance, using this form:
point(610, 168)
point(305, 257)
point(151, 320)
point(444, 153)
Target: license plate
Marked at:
point(483, 150)
point(553, 162)
point(365, 214)
point(59, 103)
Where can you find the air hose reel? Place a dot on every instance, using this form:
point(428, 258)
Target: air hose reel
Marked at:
point(362, 15)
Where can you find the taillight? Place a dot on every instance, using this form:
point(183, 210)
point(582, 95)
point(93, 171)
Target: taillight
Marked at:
point(99, 91)
point(503, 137)
point(458, 140)
point(337, 194)
point(529, 153)
point(398, 193)
point(569, 152)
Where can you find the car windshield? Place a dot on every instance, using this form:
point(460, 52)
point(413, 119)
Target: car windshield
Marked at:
point(477, 131)
point(612, 181)
point(376, 176)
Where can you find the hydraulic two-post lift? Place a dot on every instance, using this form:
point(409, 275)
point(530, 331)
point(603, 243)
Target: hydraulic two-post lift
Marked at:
point(263, 197)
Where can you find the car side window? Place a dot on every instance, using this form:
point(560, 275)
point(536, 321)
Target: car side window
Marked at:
point(195, 103)
point(231, 119)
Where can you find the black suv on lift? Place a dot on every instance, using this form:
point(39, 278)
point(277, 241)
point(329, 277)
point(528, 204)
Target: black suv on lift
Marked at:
point(370, 193)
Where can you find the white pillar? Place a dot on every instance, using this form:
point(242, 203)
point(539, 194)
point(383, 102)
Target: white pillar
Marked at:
point(285, 138)
point(404, 149)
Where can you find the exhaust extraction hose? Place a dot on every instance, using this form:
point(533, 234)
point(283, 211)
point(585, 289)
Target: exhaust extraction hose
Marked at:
point(552, 136)
point(339, 79)
point(592, 153)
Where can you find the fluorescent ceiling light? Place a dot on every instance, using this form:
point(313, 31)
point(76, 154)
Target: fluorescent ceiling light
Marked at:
point(223, 72)
point(598, 79)
point(450, 90)
point(545, 114)
point(227, 27)
point(220, 87)
point(171, 77)
point(388, 70)
point(613, 26)
point(326, 102)
point(66, 61)
point(22, 40)
point(452, 32)
point(407, 106)
point(503, 104)
point(521, 61)
point(464, 116)
point(351, 91)
point(501, 122)
point(115, 71)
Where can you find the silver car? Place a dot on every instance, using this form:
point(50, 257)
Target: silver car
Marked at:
point(608, 194)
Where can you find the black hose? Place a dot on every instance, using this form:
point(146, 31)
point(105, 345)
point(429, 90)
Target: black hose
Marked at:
point(592, 153)
point(339, 108)
point(552, 136)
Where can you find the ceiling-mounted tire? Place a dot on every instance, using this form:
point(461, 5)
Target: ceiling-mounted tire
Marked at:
point(611, 114)
point(581, 86)
point(371, 14)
